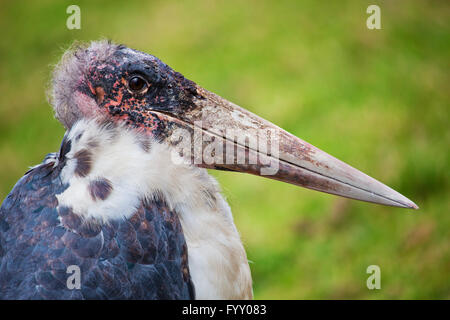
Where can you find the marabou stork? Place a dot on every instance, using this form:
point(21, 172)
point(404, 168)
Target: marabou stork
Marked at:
point(138, 214)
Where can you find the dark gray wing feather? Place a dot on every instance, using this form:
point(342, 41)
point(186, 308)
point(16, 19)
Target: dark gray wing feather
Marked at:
point(143, 257)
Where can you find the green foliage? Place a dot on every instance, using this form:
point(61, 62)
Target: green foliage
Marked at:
point(376, 99)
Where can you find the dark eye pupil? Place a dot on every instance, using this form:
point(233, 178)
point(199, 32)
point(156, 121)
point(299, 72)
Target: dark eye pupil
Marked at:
point(136, 83)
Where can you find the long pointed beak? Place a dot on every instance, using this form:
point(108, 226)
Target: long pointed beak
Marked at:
point(228, 137)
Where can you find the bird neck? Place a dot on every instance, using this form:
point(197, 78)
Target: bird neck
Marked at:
point(115, 168)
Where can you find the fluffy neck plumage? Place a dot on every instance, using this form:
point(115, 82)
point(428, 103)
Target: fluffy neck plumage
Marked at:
point(110, 169)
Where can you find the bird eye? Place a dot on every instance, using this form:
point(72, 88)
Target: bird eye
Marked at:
point(137, 84)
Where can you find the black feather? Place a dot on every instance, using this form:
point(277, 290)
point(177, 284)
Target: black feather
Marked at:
point(143, 257)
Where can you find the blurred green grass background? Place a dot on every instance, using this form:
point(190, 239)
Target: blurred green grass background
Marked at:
point(376, 99)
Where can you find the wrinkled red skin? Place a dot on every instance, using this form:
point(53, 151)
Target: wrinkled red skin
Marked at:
point(168, 93)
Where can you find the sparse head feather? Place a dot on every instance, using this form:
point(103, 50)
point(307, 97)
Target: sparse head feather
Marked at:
point(70, 72)
point(102, 79)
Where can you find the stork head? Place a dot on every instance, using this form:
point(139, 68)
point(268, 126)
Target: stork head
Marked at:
point(119, 84)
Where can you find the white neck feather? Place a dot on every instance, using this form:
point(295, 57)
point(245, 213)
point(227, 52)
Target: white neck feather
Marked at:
point(139, 168)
